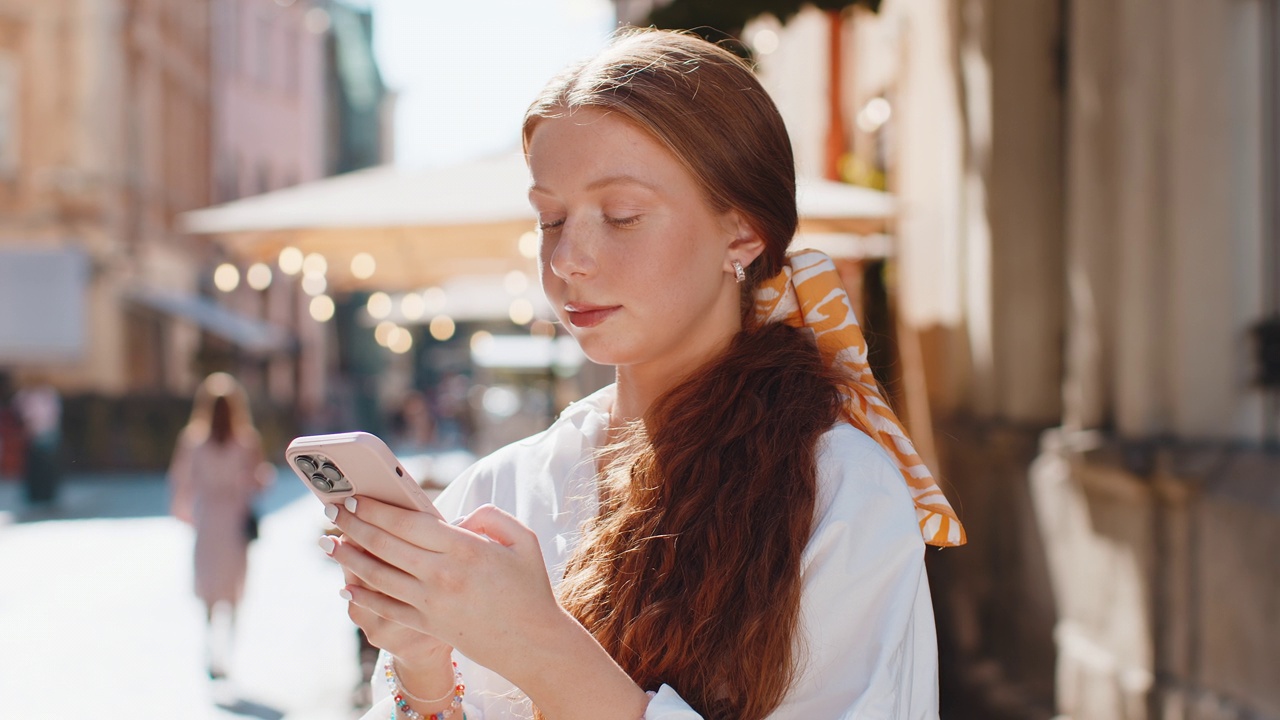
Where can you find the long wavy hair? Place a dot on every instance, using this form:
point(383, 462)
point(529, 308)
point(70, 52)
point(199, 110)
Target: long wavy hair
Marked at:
point(220, 413)
point(690, 574)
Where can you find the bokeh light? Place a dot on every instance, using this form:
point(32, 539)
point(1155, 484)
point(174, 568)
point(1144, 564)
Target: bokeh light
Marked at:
point(515, 282)
point(382, 333)
point(258, 276)
point(400, 340)
point(521, 311)
point(314, 284)
point(874, 114)
point(412, 306)
point(480, 340)
point(290, 261)
point(529, 244)
point(434, 299)
point(379, 305)
point(363, 266)
point(442, 327)
point(542, 328)
point(321, 308)
point(765, 41)
point(315, 264)
point(226, 277)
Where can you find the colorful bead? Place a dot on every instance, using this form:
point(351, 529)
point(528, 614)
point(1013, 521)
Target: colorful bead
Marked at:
point(398, 692)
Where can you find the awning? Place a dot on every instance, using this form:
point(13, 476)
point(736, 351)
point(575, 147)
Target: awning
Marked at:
point(423, 227)
point(827, 206)
point(254, 336)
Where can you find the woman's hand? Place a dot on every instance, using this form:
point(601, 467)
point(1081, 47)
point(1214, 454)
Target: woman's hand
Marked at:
point(416, 651)
point(410, 646)
point(422, 661)
point(479, 586)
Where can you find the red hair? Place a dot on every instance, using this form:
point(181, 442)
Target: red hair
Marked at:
point(690, 575)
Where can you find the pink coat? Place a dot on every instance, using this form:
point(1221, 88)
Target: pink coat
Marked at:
point(213, 486)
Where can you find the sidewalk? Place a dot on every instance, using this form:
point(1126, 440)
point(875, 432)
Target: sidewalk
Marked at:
point(98, 619)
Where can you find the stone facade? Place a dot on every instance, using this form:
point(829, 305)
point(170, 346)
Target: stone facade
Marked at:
point(1084, 244)
point(107, 140)
point(271, 122)
point(1115, 249)
point(117, 116)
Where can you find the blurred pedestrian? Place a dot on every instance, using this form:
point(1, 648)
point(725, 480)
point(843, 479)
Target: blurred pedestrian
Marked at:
point(455, 418)
point(12, 434)
point(413, 424)
point(216, 472)
point(40, 408)
point(736, 528)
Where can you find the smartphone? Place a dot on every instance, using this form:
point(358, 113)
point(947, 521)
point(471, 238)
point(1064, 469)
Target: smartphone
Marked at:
point(338, 466)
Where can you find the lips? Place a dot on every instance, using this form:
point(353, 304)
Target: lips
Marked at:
point(585, 316)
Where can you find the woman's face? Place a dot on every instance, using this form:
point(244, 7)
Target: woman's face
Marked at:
point(634, 260)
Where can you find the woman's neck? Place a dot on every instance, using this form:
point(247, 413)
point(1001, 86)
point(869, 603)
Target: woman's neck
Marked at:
point(639, 386)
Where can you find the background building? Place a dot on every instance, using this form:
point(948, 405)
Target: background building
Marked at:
point(1085, 253)
point(106, 138)
point(117, 116)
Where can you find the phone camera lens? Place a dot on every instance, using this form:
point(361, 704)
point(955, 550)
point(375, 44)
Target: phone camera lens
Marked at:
point(305, 463)
point(321, 482)
point(330, 471)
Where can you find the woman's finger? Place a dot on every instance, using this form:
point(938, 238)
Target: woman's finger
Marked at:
point(421, 529)
point(380, 543)
point(500, 526)
point(387, 608)
point(380, 631)
point(369, 570)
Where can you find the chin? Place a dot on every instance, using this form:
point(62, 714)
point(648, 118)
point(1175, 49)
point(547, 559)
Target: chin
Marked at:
point(602, 353)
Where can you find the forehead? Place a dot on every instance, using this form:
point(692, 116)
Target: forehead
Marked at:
point(590, 144)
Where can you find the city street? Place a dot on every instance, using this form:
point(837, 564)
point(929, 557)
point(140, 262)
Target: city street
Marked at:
point(98, 619)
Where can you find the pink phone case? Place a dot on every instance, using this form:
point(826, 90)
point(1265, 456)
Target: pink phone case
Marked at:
point(338, 466)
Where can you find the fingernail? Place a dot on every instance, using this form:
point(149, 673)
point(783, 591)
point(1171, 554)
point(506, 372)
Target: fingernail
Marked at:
point(331, 512)
point(327, 544)
point(345, 594)
point(350, 504)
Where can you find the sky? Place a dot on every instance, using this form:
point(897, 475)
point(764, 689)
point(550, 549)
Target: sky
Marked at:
point(465, 71)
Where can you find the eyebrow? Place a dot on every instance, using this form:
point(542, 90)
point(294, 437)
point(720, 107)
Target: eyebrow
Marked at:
point(621, 179)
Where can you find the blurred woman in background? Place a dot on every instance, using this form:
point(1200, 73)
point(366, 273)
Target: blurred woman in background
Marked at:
point(217, 470)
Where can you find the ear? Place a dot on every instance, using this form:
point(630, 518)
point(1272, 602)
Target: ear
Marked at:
point(745, 244)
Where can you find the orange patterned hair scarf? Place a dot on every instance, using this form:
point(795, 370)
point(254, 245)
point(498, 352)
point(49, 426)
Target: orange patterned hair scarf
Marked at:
point(808, 293)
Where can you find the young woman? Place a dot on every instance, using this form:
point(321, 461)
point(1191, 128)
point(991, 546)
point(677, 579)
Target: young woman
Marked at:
point(216, 471)
point(734, 528)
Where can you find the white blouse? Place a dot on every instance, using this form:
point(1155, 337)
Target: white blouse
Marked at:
point(867, 642)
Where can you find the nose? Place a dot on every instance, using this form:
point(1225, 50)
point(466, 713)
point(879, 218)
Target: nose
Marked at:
point(569, 252)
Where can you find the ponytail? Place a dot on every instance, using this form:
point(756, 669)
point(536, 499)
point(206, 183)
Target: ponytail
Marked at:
point(690, 575)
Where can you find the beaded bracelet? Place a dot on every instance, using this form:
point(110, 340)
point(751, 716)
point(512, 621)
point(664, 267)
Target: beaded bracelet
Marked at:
point(399, 693)
point(396, 684)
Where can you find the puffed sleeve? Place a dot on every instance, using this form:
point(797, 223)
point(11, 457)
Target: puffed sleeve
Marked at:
point(868, 643)
point(867, 647)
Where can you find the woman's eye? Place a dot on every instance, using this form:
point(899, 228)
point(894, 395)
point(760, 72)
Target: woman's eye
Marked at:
point(550, 225)
point(622, 222)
